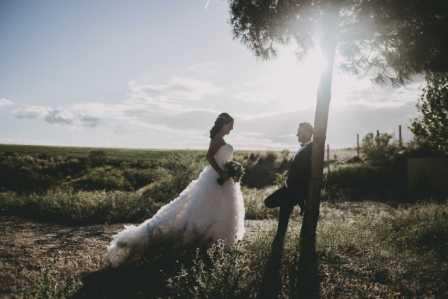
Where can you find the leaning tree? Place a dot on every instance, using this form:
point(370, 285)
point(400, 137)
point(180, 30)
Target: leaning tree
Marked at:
point(388, 40)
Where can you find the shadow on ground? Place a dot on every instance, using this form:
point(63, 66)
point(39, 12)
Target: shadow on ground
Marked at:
point(147, 278)
point(126, 282)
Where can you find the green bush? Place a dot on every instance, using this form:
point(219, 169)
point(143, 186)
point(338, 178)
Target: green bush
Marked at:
point(24, 173)
point(76, 207)
point(254, 203)
point(37, 173)
point(220, 274)
point(97, 157)
point(379, 149)
point(169, 186)
point(431, 128)
point(422, 228)
point(357, 181)
point(102, 178)
point(261, 170)
point(142, 177)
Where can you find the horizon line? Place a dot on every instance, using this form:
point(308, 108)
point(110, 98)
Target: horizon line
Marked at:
point(163, 148)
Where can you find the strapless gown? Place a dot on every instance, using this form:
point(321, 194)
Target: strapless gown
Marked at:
point(204, 210)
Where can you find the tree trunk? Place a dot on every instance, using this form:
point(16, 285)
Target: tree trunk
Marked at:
point(308, 265)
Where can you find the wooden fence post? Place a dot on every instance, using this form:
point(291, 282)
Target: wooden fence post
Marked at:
point(357, 144)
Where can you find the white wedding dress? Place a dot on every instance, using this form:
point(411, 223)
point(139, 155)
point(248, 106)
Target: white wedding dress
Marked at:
point(203, 209)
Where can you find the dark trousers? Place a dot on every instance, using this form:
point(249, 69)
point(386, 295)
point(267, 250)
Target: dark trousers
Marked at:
point(285, 197)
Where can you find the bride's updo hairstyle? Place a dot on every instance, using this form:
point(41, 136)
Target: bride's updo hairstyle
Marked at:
point(223, 119)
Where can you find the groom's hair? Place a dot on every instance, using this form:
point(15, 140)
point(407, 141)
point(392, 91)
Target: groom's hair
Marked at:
point(307, 126)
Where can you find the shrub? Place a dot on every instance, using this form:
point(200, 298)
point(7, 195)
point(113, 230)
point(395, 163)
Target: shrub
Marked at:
point(24, 173)
point(138, 178)
point(97, 157)
point(102, 178)
point(254, 203)
point(228, 273)
point(379, 149)
point(421, 228)
point(169, 185)
point(357, 181)
point(431, 130)
point(262, 170)
point(75, 207)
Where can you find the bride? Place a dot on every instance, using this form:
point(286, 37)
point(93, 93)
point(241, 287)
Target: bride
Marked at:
point(204, 209)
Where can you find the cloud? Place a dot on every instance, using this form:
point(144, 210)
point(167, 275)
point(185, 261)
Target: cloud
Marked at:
point(175, 105)
point(89, 121)
point(266, 112)
point(204, 69)
point(363, 92)
point(30, 111)
point(254, 97)
point(59, 116)
point(101, 110)
point(5, 102)
point(177, 94)
point(56, 116)
point(278, 130)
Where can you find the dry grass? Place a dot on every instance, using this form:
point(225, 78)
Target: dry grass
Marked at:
point(366, 250)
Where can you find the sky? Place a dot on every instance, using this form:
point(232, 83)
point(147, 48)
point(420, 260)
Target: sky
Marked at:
point(155, 74)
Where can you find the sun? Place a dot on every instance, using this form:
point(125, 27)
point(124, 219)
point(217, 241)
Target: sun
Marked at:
point(287, 84)
point(294, 82)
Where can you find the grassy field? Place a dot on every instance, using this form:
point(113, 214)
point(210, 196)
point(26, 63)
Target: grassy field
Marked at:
point(366, 250)
point(132, 154)
point(116, 153)
point(97, 207)
point(59, 207)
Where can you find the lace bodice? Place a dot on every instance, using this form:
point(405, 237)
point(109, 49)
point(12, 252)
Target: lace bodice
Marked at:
point(224, 154)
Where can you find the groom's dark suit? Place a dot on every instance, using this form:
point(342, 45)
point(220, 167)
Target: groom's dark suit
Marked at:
point(296, 189)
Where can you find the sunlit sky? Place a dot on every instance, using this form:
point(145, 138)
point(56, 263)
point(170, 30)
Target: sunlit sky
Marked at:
point(155, 74)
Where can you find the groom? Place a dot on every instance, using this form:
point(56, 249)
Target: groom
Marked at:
point(295, 191)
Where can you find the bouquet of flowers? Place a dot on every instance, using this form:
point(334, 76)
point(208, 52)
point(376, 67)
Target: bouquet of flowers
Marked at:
point(234, 170)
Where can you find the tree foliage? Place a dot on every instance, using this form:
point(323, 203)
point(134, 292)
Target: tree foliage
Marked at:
point(431, 130)
point(389, 40)
point(386, 39)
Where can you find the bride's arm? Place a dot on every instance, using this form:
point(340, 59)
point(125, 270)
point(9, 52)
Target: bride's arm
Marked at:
point(215, 144)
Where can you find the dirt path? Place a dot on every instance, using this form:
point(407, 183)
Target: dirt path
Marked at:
point(30, 250)
point(27, 248)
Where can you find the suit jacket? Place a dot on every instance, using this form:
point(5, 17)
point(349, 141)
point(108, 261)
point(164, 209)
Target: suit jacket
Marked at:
point(296, 188)
point(299, 172)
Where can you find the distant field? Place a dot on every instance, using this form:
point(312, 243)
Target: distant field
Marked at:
point(133, 154)
point(117, 153)
point(342, 154)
